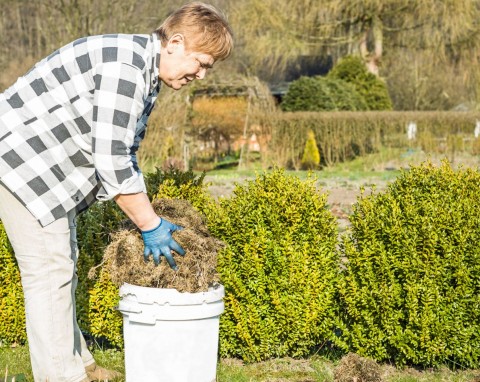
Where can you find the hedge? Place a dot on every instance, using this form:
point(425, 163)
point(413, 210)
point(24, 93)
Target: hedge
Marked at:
point(410, 291)
point(342, 136)
point(12, 308)
point(279, 268)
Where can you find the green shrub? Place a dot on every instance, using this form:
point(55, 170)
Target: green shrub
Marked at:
point(344, 95)
point(105, 320)
point(94, 227)
point(410, 291)
point(373, 90)
point(321, 94)
point(311, 155)
point(302, 95)
point(187, 186)
point(279, 267)
point(177, 178)
point(12, 309)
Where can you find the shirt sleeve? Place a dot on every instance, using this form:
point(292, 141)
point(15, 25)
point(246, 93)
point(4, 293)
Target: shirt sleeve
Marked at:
point(118, 103)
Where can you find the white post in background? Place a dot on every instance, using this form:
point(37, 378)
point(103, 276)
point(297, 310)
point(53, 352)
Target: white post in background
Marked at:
point(186, 156)
point(245, 127)
point(476, 132)
point(411, 131)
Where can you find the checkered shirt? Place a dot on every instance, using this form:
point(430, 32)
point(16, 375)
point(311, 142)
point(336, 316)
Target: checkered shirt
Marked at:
point(70, 128)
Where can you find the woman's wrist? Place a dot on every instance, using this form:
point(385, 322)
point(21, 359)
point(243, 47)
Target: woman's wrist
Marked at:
point(150, 224)
point(139, 209)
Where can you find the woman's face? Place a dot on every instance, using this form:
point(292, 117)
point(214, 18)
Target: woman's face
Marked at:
point(179, 66)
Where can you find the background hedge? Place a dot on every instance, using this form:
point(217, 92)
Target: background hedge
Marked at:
point(342, 136)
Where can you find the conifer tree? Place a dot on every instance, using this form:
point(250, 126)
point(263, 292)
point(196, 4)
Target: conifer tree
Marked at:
point(311, 155)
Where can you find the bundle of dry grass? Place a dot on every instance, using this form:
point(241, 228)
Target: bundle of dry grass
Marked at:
point(123, 258)
point(353, 368)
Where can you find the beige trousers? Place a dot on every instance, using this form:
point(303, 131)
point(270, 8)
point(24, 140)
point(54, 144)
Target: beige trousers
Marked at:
point(47, 258)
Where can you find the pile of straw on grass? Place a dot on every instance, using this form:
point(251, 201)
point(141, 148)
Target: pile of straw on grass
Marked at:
point(353, 368)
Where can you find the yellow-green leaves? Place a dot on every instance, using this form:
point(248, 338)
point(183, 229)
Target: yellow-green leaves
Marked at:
point(410, 290)
point(279, 268)
point(12, 310)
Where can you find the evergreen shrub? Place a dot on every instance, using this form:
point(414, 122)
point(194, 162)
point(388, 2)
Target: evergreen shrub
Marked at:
point(311, 155)
point(322, 94)
point(279, 267)
point(373, 90)
point(410, 290)
point(104, 320)
point(94, 227)
point(178, 184)
point(178, 178)
point(12, 308)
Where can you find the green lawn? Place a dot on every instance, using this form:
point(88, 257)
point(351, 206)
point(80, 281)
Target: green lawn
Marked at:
point(382, 166)
point(14, 361)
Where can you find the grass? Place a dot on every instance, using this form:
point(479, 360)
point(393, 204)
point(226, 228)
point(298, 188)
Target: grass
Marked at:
point(384, 165)
point(314, 369)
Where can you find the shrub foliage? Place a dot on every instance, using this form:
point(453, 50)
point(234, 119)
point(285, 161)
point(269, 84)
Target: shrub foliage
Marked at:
point(279, 268)
point(12, 308)
point(93, 232)
point(410, 291)
point(322, 94)
point(311, 155)
point(373, 90)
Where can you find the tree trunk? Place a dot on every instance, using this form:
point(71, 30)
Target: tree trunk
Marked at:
point(372, 30)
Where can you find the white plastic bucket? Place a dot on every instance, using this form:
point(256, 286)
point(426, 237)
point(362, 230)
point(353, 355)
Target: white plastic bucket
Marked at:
point(170, 336)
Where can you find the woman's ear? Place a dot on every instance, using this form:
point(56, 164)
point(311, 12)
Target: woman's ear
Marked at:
point(174, 42)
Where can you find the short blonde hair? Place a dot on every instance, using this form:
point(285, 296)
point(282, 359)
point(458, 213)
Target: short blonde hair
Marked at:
point(204, 28)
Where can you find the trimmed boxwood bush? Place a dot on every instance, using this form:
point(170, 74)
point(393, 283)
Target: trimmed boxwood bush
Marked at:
point(373, 90)
point(322, 94)
point(410, 291)
point(279, 268)
point(12, 308)
point(94, 227)
point(104, 320)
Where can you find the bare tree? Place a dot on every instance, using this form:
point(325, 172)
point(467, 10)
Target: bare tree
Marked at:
point(276, 31)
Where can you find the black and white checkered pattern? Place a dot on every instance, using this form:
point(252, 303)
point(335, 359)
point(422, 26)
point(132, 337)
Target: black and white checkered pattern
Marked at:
point(70, 128)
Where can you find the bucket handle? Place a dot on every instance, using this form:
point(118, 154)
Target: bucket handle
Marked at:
point(128, 308)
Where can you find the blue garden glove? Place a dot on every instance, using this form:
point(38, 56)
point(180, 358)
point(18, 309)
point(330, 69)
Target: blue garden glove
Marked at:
point(159, 241)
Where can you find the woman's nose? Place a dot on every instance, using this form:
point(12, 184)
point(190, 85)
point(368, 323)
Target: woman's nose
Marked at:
point(201, 73)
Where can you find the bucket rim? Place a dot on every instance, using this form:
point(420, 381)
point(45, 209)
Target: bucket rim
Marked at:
point(170, 295)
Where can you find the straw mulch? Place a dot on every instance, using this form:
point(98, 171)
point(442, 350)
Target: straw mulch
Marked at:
point(124, 261)
point(353, 368)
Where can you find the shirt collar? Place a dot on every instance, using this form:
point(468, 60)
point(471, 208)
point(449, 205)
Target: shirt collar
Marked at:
point(156, 45)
